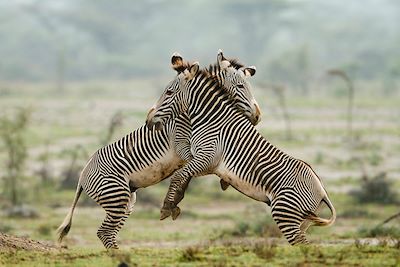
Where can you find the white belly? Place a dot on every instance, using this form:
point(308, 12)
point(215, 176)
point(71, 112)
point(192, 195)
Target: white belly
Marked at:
point(241, 185)
point(157, 171)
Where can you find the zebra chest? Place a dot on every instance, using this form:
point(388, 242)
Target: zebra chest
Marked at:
point(156, 171)
point(245, 186)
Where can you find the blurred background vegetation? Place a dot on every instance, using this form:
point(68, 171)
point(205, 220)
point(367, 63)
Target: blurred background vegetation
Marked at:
point(75, 75)
point(289, 41)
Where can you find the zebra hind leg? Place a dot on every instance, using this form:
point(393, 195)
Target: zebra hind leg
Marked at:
point(117, 207)
point(289, 219)
point(128, 211)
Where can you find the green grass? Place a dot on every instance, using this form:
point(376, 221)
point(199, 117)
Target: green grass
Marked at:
point(257, 254)
point(80, 117)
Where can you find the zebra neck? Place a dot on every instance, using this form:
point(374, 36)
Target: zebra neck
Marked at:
point(210, 105)
point(214, 110)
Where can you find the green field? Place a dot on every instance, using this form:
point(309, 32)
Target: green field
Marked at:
point(215, 228)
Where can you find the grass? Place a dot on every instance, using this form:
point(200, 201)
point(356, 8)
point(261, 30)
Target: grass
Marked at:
point(227, 218)
point(257, 254)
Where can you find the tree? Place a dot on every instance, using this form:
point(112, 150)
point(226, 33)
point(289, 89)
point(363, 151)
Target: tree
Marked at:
point(12, 132)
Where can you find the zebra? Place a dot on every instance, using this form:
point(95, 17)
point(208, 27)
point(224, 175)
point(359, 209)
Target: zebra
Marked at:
point(226, 144)
point(140, 159)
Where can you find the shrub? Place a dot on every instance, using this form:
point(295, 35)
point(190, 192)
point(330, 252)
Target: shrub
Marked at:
point(380, 231)
point(13, 136)
point(377, 189)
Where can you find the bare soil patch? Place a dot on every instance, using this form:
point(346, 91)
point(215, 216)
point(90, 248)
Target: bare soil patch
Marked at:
point(12, 243)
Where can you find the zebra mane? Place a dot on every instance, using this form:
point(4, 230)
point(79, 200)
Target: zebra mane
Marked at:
point(236, 63)
point(213, 69)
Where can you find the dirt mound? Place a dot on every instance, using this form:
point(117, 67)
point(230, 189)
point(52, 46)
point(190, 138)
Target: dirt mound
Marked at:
point(11, 243)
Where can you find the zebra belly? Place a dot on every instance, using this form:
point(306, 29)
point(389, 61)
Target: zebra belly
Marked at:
point(156, 171)
point(246, 188)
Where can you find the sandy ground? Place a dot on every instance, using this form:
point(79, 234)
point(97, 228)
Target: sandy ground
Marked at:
point(12, 243)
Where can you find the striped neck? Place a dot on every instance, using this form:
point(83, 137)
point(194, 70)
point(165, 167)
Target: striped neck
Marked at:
point(208, 100)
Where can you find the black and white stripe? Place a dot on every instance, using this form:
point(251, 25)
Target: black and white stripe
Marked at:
point(140, 159)
point(225, 143)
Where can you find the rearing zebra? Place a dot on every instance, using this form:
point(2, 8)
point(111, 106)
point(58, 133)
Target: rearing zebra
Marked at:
point(225, 143)
point(140, 159)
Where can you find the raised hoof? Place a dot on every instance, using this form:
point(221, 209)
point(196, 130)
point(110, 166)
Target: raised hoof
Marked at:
point(175, 213)
point(165, 213)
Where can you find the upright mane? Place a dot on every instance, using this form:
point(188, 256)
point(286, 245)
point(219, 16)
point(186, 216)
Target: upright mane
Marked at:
point(235, 63)
point(214, 68)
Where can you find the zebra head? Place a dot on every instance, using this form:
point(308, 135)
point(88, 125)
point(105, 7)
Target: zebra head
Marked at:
point(233, 77)
point(173, 101)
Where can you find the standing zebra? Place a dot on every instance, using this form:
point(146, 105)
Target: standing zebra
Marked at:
point(143, 158)
point(225, 143)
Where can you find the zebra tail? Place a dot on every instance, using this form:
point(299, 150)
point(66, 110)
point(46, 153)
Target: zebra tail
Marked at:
point(318, 221)
point(64, 228)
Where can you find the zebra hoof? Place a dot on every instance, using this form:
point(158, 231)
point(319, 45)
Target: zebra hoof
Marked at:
point(175, 213)
point(165, 213)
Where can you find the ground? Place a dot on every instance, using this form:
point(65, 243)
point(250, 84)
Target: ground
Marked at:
point(215, 228)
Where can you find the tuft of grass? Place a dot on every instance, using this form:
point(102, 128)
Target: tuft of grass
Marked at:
point(123, 258)
point(191, 253)
point(265, 251)
point(264, 227)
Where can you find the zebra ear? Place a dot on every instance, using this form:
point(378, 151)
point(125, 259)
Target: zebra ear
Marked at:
point(193, 69)
point(222, 61)
point(249, 71)
point(177, 62)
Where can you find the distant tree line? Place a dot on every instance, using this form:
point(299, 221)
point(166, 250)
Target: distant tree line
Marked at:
point(290, 41)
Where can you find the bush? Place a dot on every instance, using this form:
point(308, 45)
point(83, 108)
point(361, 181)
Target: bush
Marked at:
point(382, 231)
point(375, 190)
point(13, 137)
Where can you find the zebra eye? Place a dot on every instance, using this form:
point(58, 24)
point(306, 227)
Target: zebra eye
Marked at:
point(168, 92)
point(241, 86)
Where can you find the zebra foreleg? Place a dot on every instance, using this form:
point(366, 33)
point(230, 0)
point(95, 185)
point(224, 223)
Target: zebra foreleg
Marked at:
point(170, 208)
point(175, 194)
